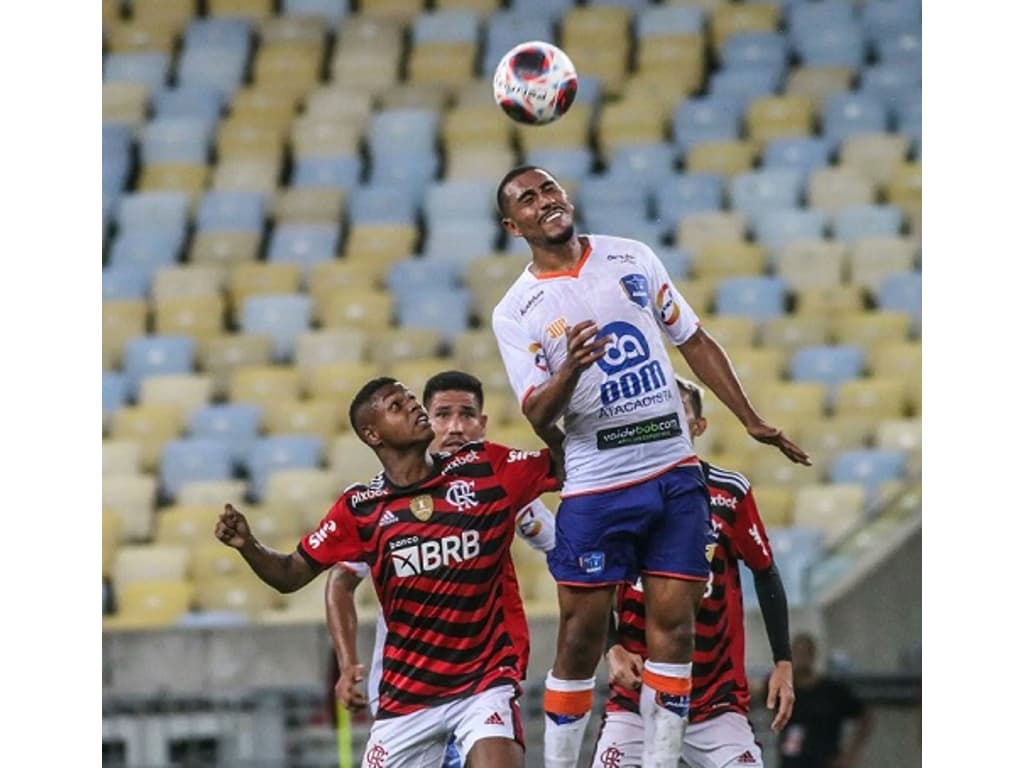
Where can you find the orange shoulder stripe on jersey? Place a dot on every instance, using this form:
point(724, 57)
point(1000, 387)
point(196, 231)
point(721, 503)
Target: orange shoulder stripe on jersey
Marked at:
point(674, 686)
point(568, 702)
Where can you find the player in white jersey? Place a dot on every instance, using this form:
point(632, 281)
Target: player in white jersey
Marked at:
point(454, 403)
point(580, 333)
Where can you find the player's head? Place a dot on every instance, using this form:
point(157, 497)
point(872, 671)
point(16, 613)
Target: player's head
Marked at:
point(385, 414)
point(693, 405)
point(535, 207)
point(455, 403)
point(804, 650)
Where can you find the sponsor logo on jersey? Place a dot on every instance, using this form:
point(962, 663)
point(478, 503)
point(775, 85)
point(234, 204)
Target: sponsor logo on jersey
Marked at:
point(531, 302)
point(667, 307)
point(723, 501)
point(592, 562)
point(647, 431)
point(431, 554)
point(422, 507)
point(746, 759)
point(360, 497)
point(539, 358)
point(556, 328)
point(635, 287)
point(461, 495)
point(625, 258)
point(633, 377)
point(756, 536)
point(318, 537)
point(494, 719)
point(388, 518)
point(612, 757)
point(514, 456)
point(460, 461)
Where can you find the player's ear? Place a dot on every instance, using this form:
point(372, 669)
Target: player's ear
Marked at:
point(699, 426)
point(511, 227)
point(370, 436)
point(483, 422)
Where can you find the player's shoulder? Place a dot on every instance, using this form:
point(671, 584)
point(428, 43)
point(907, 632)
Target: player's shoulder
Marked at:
point(727, 480)
point(361, 493)
point(612, 249)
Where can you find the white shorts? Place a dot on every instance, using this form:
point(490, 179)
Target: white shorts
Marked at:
point(725, 740)
point(419, 740)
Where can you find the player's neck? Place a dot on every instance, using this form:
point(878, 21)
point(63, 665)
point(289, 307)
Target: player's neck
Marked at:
point(407, 467)
point(563, 257)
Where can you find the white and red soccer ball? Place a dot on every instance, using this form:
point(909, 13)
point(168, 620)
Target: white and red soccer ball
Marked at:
point(535, 83)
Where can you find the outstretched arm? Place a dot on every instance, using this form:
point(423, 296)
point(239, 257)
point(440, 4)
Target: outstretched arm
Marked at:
point(342, 623)
point(712, 366)
point(285, 573)
point(771, 596)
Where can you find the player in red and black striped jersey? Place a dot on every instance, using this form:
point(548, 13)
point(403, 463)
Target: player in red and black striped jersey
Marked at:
point(435, 531)
point(719, 733)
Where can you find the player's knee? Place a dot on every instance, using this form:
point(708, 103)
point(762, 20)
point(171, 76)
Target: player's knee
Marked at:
point(672, 637)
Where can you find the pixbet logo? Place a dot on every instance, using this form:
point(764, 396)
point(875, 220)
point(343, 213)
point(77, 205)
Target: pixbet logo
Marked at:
point(723, 501)
point(429, 555)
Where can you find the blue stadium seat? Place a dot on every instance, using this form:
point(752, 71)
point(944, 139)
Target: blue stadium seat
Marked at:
point(804, 153)
point(332, 11)
point(908, 121)
point(149, 68)
point(632, 5)
point(236, 424)
point(829, 365)
point(146, 251)
point(197, 101)
point(231, 210)
point(220, 68)
point(601, 191)
point(507, 29)
point(270, 454)
point(412, 167)
point(891, 84)
point(744, 85)
point(446, 26)
point(648, 164)
point(688, 193)
point(759, 298)
point(750, 50)
point(589, 90)
point(458, 241)
point(795, 549)
point(678, 261)
point(182, 140)
point(281, 316)
point(303, 244)
point(870, 467)
point(411, 130)
point(859, 221)
point(192, 460)
point(458, 199)
point(881, 18)
point(378, 204)
point(116, 170)
point(622, 224)
point(776, 228)
point(326, 171)
point(706, 118)
point(662, 20)
point(446, 311)
point(553, 9)
point(902, 292)
point(805, 18)
point(840, 45)
point(116, 139)
point(115, 391)
point(156, 355)
point(218, 32)
point(126, 281)
point(149, 211)
point(410, 278)
point(770, 189)
point(847, 114)
point(569, 163)
point(902, 47)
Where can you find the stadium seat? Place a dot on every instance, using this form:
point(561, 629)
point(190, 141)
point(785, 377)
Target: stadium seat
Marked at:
point(308, 492)
point(132, 498)
point(377, 205)
point(122, 457)
point(232, 211)
point(123, 321)
point(871, 399)
point(901, 435)
point(221, 68)
point(148, 68)
point(770, 118)
point(875, 155)
point(791, 401)
point(115, 393)
point(324, 347)
point(155, 355)
point(301, 205)
point(716, 261)
point(896, 359)
point(869, 329)
point(727, 20)
point(125, 103)
point(150, 605)
point(282, 316)
point(185, 525)
point(192, 459)
point(882, 17)
point(872, 259)
point(763, 191)
point(732, 331)
point(847, 114)
point(148, 211)
point(805, 154)
point(782, 228)
point(829, 365)
point(835, 508)
point(243, 593)
point(831, 189)
point(187, 282)
point(235, 425)
point(260, 279)
point(760, 298)
point(196, 317)
point(834, 45)
point(869, 468)
point(274, 522)
point(698, 229)
point(270, 454)
point(859, 221)
point(462, 199)
point(263, 385)
point(688, 193)
point(770, 467)
point(705, 118)
point(725, 158)
point(212, 559)
point(824, 439)
point(803, 19)
point(331, 11)
point(446, 311)
point(318, 417)
point(411, 277)
point(259, 175)
point(219, 355)
point(303, 244)
point(354, 308)
point(185, 392)
point(744, 85)
point(211, 492)
point(902, 292)
point(790, 332)
point(340, 380)
point(813, 264)
point(507, 28)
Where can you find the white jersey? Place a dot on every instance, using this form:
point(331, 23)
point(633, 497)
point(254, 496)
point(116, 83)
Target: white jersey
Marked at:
point(625, 421)
point(535, 524)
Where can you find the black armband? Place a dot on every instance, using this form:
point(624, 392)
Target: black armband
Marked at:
point(771, 595)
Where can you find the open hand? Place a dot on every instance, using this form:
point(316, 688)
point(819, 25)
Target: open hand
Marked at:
point(232, 528)
point(780, 691)
point(769, 435)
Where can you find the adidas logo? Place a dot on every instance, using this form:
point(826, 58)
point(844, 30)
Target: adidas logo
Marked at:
point(387, 518)
point(494, 719)
point(746, 759)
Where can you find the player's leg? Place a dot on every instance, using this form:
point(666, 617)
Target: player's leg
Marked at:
point(410, 741)
point(620, 744)
point(675, 567)
point(725, 741)
point(488, 728)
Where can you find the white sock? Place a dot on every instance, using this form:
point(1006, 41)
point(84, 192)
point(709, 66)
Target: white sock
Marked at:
point(664, 712)
point(566, 718)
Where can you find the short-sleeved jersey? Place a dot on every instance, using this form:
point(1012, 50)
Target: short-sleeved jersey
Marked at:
point(719, 676)
point(625, 420)
point(439, 554)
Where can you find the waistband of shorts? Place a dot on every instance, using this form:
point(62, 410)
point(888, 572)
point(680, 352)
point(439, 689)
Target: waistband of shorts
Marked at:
point(689, 461)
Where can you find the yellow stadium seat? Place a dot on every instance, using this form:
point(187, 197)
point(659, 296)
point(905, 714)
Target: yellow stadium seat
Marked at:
point(125, 103)
point(478, 162)
point(309, 205)
point(732, 19)
point(449, 64)
point(340, 381)
point(264, 385)
point(731, 330)
point(338, 345)
point(830, 300)
point(351, 460)
point(900, 359)
point(122, 320)
point(340, 102)
point(698, 230)
point(835, 508)
point(871, 399)
point(309, 493)
point(707, 5)
point(371, 70)
point(394, 345)
point(250, 9)
point(725, 435)
point(186, 392)
point(248, 175)
point(111, 539)
point(874, 258)
point(189, 281)
point(776, 117)
point(698, 293)
point(904, 186)
point(664, 88)
point(150, 425)
point(682, 56)
point(380, 243)
point(628, 121)
point(868, 329)
point(317, 136)
point(249, 140)
point(212, 492)
point(211, 559)
point(757, 363)
point(475, 124)
point(876, 155)
point(500, 405)
point(770, 467)
point(727, 458)
point(122, 457)
point(415, 373)
point(475, 348)
point(818, 83)
point(172, 177)
point(812, 263)
point(718, 260)
point(789, 402)
point(515, 434)
point(305, 606)
point(292, 28)
point(180, 10)
point(320, 417)
point(824, 439)
point(219, 355)
point(197, 316)
point(111, 11)
point(902, 435)
point(224, 248)
point(484, 6)
point(391, 10)
point(269, 106)
point(328, 277)
point(569, 131)
point(792, 331)
point(597, 26)
point(144, 36)
point(723, 157)
point(186, 525)
point(775, 504)
point(242, 593)
point(150, 562)
point(132, 498)
point(150, 605)
point(259, 278)
point(274, 522)
point(354, 308)
point(834, 187)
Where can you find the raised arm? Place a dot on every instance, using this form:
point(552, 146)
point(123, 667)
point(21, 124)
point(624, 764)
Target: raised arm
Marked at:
point(711, 364)
point(342, 623)
point(285, 573)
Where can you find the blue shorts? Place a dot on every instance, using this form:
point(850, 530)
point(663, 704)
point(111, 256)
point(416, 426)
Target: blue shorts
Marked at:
point(660, 526)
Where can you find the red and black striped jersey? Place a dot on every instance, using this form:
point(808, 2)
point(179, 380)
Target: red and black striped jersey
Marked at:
point(439, 556)
point(719, 677)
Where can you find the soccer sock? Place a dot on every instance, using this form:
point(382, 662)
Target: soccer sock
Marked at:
point(567, 705)
point(664, 706)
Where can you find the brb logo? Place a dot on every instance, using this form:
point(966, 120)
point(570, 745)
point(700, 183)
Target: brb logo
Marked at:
point(628, 353)
point(429, 555)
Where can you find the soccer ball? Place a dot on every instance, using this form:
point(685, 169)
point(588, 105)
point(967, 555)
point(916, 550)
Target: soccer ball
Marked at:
point(535, 83)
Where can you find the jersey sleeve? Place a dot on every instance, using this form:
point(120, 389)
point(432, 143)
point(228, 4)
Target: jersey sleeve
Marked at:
point(750, 538)
point(535, 524)
point(525, 475)
point(673, 313)
point(358, 569)
point(525, 363)
point(335, 539)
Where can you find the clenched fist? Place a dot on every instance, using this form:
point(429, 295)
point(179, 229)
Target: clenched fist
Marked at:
point(232, 528)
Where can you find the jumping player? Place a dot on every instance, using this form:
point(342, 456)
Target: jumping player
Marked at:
point(580, 335)
point(719, 733)
point(435, 531)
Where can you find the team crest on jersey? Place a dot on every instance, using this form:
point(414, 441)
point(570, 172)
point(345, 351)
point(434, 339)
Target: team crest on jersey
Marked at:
point(539, 358)
point(422, 507)
point(667, 307)
point(461, 495)
point(612, 757)
point(635, 288)
point(557, 328)
point(592, 562)
point(375, 756)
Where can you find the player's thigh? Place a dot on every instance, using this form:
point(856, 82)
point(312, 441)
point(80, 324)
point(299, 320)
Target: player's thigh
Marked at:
point(620, 744)
point(489, 728)
point(679, 541)
point(726, 741)
point(410, 741)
